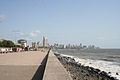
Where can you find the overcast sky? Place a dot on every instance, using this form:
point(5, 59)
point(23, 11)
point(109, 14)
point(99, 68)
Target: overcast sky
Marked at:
point(63, 21)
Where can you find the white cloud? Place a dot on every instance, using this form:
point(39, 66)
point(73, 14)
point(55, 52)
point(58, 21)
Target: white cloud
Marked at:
point(28, 35)
point(17, 32)
point(35, 33)
point(2, 18)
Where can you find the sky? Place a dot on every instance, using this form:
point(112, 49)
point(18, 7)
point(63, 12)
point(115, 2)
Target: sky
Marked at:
point(90, 22)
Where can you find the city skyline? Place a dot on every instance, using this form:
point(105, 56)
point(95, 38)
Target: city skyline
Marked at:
point(89, 22)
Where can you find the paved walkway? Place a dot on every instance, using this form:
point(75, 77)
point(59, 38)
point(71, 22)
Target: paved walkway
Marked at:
point(20, 66)
point(31, 65)
point(55, 70)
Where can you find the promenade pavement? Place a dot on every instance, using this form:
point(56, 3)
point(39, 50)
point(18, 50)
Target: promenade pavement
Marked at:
point(21, 65)
point(55, 70)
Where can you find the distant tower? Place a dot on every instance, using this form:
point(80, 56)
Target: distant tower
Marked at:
point(45, 42)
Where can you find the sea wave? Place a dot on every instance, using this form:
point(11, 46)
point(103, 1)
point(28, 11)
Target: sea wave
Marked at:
point(111, 68)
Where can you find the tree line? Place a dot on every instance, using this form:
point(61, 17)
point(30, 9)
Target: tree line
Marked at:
point(8, 43)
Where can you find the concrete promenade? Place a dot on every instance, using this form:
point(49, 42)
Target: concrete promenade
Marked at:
point(32, 65)
point(20, 66)
point(55, 70)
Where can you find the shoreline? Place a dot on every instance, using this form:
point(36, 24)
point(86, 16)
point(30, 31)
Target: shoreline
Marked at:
point(79, 71)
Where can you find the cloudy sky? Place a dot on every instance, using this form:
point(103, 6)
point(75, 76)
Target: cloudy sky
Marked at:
point(63, 21)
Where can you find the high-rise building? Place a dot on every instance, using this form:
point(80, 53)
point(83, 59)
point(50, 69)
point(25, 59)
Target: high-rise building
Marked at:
point(45, 42)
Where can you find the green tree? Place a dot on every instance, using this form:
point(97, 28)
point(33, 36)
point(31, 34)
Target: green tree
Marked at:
point(6, 43)
point(0, 44)
point(10, 44)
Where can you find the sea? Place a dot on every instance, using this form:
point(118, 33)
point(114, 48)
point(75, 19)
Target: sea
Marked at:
point(107, 60)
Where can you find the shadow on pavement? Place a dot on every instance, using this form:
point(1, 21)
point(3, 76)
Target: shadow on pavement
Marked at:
point(40, 71)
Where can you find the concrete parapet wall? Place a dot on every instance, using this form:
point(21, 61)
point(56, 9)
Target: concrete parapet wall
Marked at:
point(54, 69)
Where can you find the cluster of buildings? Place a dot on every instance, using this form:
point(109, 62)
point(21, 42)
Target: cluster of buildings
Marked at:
point(36, 45)
point(23, 46)
point(40, 44)
point(69, 46)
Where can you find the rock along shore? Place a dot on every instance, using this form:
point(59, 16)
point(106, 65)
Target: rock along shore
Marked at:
point(80, 72)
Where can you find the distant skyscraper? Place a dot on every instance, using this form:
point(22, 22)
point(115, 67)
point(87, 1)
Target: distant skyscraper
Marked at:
point(45, 42)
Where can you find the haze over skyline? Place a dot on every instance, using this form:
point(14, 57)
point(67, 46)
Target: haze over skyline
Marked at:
point(88, 22)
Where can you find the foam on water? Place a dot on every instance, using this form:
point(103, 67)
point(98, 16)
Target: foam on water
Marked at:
point(106, 66)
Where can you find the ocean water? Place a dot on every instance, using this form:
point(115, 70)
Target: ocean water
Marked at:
point(107, 60)
point(112, 55)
